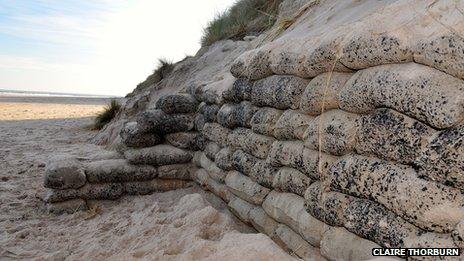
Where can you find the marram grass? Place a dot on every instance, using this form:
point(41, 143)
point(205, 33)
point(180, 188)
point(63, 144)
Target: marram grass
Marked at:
point(243, 18)
point(106, 115)
point(162, 70)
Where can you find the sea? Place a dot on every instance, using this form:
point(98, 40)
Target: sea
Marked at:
point(54, 97)
point(4, 92)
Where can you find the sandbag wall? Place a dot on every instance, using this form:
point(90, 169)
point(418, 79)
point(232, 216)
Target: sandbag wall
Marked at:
point(256, 161)
point(329, 152)
point(373, 156)
point(157, 156)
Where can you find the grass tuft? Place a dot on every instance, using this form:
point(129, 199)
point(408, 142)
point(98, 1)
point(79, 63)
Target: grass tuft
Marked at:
point(107, 115)
point(245, 17)
point(162, 70)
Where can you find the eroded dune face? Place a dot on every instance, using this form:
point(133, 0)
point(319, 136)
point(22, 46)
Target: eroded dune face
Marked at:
point(346, 127)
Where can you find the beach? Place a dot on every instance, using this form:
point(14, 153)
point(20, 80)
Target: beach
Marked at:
point(13, 108)
point(184, 224)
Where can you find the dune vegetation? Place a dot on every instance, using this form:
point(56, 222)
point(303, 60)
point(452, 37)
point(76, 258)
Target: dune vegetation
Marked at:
point(106, 115)
point(245, 17)
point(162, 70)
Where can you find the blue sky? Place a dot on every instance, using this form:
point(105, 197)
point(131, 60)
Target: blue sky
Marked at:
point(95, 47)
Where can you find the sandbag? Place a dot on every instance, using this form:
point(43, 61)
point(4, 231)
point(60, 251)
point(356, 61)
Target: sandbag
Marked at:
point(263, 173)
point(365, 49)
point(367, 219)
point(211, 149)
point(398, 188)
point(262, 221)
point(64, 172)
point(392, 136)
point(322, 91)
point(155, 185)
point(201, 177)
point(288, 208)
point(161, 123)
point(223, 158)
point(322, 56)
point(118, 170)
point(297, 244)
point(236, 115)
point(219, 189)
point(293, 154)
point(442, 160)
point(243, 187)
point(88, 191)
point(177, 171)
point(187, 140)
point(243, 162)
point(442, 51)
point(334, 245)
point(215, 132)
point(291, 180)
point(292, 125)
point(157, 155)
point(240, 208)
point(418, 91)
point(177, 103)
point(213, 171)
point(287, 55)
point(133, 136)
point(264, 120)
point(255, 144)
point(239, 91)
point(328, 207)
point(278, 91)
point(211, 92)
point(335, 129)
point(253, 64)
point(199, 122)
point(209, 111)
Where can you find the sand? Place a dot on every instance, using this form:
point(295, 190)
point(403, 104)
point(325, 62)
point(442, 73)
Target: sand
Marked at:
point(35, 108)
point(185, 224)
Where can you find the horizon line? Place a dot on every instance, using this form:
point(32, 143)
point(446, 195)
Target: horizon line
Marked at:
point(60, 93)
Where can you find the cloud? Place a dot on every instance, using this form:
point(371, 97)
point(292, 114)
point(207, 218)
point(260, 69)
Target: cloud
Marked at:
point(65, 26)
point(104, 46)
point(12, 62)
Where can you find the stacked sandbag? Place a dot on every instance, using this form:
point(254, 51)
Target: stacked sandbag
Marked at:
point(331, 143)
point(173, 119)
point(61, 174)
point(235, 156)
point(216, 115)
point(373, 156)
point(71, 182)
point(158, 156)
point(236, 165)
point(258, 160)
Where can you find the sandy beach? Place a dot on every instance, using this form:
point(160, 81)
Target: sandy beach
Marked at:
point(177, 225)
point(13, 108)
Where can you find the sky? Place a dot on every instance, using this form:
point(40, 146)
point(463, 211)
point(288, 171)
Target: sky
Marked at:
point(103, 47)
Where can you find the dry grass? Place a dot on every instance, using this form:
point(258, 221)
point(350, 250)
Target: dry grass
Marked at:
point(107, 115)
point(162, 70)
point(93, 211)
point(245, 17)
point(285, 22)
